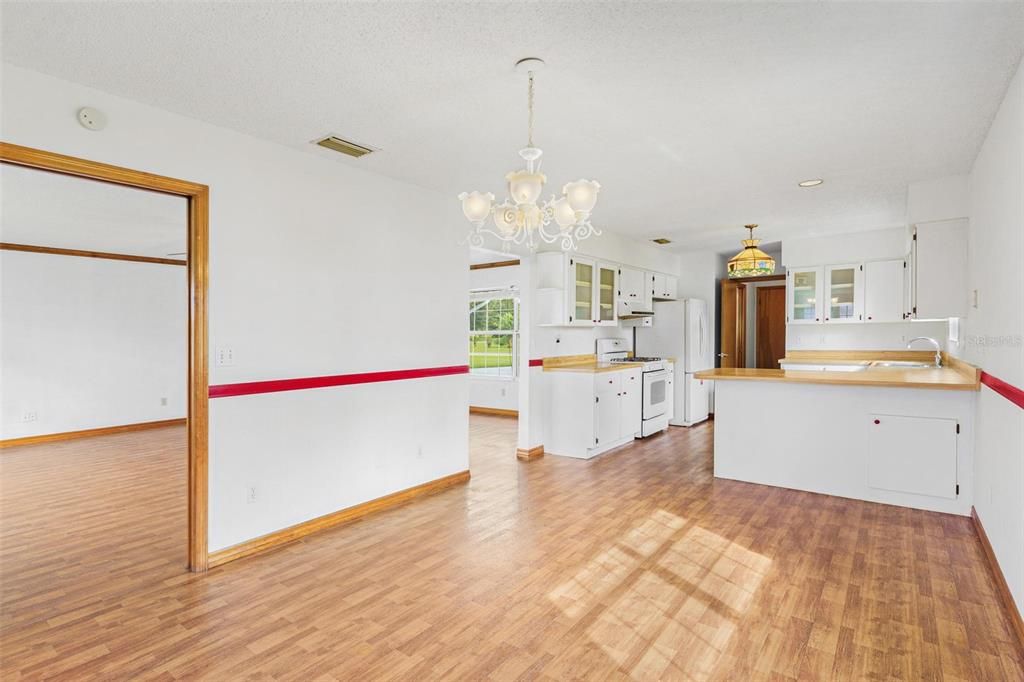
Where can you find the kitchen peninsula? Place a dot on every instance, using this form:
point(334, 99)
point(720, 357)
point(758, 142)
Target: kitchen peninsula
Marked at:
point(882, 429)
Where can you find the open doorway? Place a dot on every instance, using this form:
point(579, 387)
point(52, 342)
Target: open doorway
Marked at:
point(90, 248)
point(494, 347)
point(753, 322)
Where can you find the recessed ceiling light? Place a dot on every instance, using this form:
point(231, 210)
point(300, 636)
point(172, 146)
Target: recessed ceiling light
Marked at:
point(661, 240)
point(811, 183)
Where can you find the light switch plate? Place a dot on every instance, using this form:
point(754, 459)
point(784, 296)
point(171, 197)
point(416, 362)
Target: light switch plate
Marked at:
point(225, 356)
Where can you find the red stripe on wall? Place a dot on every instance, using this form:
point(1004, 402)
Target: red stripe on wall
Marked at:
point(537, 362)
point(1008, 391)
point(278, 385)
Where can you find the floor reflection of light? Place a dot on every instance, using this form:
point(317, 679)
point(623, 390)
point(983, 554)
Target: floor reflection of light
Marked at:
point(666, 598)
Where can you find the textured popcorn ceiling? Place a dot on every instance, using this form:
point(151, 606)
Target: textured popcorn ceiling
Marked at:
point(696, 118)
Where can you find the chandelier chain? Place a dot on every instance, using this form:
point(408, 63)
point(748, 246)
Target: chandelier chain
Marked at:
point(529, 105)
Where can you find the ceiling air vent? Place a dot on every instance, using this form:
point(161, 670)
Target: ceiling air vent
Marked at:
point(661, 240)
point(337, 144)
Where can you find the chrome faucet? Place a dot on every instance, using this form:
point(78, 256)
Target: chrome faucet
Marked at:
point(938, 348)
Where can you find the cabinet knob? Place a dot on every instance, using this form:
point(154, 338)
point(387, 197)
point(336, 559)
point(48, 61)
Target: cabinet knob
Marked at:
point(817, 319)
point(877, 421)
point(869, 317)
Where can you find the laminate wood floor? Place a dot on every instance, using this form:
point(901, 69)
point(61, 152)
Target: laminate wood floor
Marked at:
point(637, 564)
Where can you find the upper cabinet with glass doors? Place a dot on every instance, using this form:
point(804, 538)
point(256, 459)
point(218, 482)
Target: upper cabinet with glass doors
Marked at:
point(591, 291)
point(844, 293)
point(804, 290)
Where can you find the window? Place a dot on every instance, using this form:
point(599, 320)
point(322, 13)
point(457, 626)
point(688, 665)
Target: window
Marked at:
point(493, 333)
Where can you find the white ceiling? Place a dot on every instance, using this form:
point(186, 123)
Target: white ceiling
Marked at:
point(50, 209)
point(695, 117)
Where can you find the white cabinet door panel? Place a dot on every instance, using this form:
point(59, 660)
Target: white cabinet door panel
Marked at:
point(913, 455)
point(884, 300)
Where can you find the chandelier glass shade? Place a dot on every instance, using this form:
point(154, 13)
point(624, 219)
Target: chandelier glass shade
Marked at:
point(751, 261)
point(520, 219)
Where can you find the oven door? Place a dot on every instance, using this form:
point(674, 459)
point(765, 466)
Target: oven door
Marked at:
point(655, 393)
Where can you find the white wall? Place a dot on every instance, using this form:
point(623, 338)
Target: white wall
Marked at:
point(852, 247)
point(938, 199)
point(316, 268)
point(86, 342)
point(993, 331)
point(497, 393)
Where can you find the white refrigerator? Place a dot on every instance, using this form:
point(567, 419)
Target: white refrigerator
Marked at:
point(681, 330)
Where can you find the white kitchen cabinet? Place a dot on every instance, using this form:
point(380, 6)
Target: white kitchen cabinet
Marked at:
point(580, 289)
point(607, 408)
point(631, 407)
point(591, 413)
point(911, 454)
point(844, 295)
point(884, 299)
point(665, 287)
point(631, 284)
point(939, 253)
point(804, 292)
point(575, 291)
point(605, 289)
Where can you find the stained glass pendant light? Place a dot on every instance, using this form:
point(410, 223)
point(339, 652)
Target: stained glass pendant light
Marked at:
point(751, 261)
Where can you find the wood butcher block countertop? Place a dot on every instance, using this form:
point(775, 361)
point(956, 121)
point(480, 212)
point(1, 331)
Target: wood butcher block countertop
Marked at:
point(954, 375)
point(585, 363)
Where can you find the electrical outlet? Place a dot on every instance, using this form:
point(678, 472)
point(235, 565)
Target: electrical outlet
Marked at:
point(163, 402)
point(419, 452)
point(250, 494)
point(502, 392)
point(225, 356)
point(29, 416)
point(974, 298)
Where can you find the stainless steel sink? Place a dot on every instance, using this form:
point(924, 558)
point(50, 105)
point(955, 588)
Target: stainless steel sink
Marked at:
point(903, 364)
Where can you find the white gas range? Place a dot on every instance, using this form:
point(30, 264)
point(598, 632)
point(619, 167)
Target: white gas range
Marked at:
point(657, 379)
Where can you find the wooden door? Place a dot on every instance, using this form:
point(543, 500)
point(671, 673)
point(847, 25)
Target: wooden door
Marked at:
point(733, 324)
point(771, 326)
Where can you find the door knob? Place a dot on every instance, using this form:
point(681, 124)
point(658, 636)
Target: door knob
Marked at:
point(723, 355)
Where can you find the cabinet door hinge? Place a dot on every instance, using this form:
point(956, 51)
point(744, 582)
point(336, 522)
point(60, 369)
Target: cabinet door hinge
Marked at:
point(597, 399)
point(862, 268)
point(596, 441)
point(957, 488)
point(904, 265)
point(914, 310)
point(958, 428)
point(915, 236)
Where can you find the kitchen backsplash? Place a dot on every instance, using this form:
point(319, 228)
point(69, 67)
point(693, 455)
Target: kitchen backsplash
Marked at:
point(893, 336)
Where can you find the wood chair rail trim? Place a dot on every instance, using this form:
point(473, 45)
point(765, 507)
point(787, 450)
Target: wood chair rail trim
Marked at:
point(301, 530)
point(498, 264)
point(198, 196)
point(89, 433)
point(53, 250)
point(1003, 588)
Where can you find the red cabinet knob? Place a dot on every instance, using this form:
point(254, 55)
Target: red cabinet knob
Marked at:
point(877, 422)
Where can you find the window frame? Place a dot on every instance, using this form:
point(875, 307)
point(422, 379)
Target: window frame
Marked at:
point(483, 297)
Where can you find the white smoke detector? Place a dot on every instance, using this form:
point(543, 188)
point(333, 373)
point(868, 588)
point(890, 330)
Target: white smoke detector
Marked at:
point(92, 119)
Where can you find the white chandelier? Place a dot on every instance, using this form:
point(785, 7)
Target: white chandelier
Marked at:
point(520, 220)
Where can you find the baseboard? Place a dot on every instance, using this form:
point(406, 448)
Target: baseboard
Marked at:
point(301, 530)
point(532, 453)
point(496, 411)
point(1005, 595)
point(89, 433)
